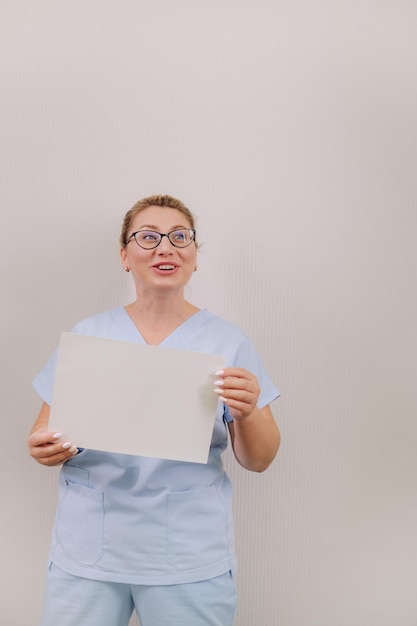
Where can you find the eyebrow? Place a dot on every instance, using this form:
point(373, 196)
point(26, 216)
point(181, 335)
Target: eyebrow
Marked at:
point(155, 228)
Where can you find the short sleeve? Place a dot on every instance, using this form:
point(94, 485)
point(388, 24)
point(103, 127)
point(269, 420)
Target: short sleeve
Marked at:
point(247, 357)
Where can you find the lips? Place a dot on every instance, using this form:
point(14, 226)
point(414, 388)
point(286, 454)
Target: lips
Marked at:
point(165, 266)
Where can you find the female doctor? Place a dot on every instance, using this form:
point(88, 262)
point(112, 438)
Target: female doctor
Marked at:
point(144, 534)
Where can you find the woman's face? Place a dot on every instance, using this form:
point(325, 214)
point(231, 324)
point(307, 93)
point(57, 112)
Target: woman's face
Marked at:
point(165, 268)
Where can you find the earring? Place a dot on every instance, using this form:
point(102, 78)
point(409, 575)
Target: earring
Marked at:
point(127, 269)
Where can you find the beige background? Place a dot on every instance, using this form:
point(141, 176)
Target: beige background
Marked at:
point(289, 127)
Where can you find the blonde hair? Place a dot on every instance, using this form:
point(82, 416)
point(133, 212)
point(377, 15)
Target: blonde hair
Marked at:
point(158, 200)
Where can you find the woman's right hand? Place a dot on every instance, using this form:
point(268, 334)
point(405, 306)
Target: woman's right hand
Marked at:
point(49, 448)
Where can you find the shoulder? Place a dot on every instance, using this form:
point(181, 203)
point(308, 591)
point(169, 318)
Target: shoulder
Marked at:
point(101, 322)
point(220, 324)
point(218, 335)
point(239, 350)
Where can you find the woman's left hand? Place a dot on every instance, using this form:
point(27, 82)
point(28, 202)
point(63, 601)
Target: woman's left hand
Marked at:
point(239, 390)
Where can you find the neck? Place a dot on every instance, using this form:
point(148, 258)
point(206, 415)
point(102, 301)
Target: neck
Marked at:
point(159, 314)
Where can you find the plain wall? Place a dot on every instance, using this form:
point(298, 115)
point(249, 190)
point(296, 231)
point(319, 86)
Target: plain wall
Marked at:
point(290, 129)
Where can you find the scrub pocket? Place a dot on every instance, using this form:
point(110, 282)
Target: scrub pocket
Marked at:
point(196, 528)
point(80, 521)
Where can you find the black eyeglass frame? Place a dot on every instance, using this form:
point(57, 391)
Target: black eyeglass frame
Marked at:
point(133, 236)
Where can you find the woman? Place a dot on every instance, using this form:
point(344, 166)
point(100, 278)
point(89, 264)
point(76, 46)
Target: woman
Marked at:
point(152, 534)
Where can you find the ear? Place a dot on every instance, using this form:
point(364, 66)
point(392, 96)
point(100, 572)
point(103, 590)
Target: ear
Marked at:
point(123, 256)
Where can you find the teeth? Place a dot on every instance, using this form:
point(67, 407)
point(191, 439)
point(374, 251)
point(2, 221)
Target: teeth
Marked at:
point(166, 267)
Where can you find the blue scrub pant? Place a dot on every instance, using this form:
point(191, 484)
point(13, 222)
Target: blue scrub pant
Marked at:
point(74, 601)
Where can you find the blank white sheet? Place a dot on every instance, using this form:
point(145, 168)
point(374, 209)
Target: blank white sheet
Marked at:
point(135, 399)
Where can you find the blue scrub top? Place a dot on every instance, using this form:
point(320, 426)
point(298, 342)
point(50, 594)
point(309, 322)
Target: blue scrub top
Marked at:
point(140, 520)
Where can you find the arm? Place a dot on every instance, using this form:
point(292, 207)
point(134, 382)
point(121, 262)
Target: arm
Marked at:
point(46, 446)
point(254, 434)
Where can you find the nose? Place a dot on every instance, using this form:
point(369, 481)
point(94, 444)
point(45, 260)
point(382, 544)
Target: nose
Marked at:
point(165, 247)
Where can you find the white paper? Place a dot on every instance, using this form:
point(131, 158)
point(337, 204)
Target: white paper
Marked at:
point(135, 399)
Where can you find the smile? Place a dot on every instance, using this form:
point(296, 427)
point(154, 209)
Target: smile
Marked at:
point(165, 267)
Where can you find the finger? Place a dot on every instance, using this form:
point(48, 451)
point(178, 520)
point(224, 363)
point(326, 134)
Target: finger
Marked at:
point(233, 382)
point(42, 437)
point(237, 372)
point(56, 458)
point(248, 394)
point(239, 409)
point(239, 395)
point(44, 451)
point(237, 378)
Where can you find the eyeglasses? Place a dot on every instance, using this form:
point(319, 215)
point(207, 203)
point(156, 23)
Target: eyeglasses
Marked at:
point(149, 239)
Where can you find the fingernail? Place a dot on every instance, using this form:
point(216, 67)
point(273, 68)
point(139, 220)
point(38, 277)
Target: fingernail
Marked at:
point(217, 390)
point(219, 373)
point(57, 436)
point(73, 450)
point(225, 400)
point(66, 445)
point(219, 382)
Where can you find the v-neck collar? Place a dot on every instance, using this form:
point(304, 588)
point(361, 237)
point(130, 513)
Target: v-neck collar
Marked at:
point(174, 338)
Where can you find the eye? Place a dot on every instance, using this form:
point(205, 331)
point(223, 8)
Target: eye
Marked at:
point(180, 236)
point(147, 235)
